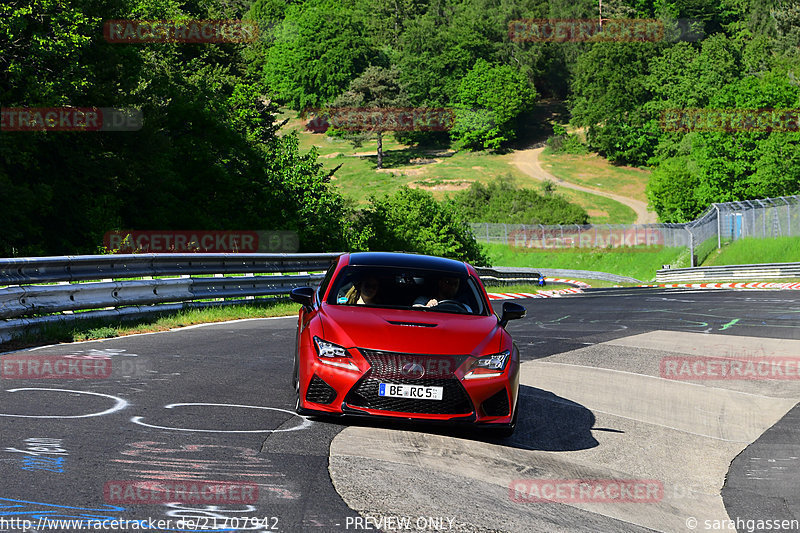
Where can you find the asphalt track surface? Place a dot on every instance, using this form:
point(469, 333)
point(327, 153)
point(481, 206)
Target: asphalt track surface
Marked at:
point(214, 403)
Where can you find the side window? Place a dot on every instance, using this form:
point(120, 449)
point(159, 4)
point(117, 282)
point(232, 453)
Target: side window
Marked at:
point(474, 296)
point(327, 280)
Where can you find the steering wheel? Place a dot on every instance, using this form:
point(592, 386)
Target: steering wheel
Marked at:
point(461, 306)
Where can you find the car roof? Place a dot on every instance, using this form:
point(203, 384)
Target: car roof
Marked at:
point(408, 261)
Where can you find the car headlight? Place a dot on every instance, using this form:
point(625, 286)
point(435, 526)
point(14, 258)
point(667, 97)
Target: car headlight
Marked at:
point(333, 354)
point(488, 366)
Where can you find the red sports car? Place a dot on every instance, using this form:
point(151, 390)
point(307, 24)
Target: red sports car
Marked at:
point(405, 336)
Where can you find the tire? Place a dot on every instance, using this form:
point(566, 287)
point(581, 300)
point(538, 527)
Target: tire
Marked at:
point(296, 376)
point(296, 363)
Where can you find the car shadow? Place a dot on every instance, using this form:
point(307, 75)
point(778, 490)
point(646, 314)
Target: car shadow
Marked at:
point(546, 422)
point(549, 422)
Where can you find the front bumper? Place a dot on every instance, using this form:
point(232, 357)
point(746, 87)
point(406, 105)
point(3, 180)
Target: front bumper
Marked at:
point(338, 392)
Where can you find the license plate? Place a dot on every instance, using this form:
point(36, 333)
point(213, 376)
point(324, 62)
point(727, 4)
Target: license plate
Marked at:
point(420, 392)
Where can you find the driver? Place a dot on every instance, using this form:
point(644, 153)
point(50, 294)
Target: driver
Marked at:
point(446, 289)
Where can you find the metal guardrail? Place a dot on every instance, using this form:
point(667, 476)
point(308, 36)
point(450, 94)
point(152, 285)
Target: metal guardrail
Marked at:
point(500, 276)
point(97, 286)
point(37, 291)
point(21, 270)
point(730, 272)
point(526, 275)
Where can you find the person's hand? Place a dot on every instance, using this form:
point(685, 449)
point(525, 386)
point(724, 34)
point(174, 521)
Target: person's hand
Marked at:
point(432, 303)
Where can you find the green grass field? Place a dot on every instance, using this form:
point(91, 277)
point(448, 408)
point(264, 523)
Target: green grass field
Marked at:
point(591, 170)
point(745, 251)
point(444, 171)
point(637, 262)
point(601, 210)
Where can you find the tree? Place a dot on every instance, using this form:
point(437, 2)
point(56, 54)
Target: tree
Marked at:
point(610, 92)
point(671, 190)
point(720, 166)
point(437, 49)
point(208, 155)
point(318, 50)
point(490, 100)
point(376, 89)
point(412, 220)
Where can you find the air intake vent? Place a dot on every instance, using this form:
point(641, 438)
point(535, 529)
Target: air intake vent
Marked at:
point(320, 392)
point(496, 405)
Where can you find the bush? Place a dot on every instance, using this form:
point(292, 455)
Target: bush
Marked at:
point(411, 220)
point(502, 201)
point(566, 144)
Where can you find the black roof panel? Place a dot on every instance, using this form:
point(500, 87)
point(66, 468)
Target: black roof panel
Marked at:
point(407, 260)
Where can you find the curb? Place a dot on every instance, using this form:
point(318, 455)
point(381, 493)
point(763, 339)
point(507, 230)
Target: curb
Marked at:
point(751, 285)
point(581, 285)
point(543, 294)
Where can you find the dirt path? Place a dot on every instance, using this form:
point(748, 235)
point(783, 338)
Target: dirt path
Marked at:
point(528, 162)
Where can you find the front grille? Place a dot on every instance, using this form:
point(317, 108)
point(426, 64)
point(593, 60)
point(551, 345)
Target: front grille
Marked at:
point(388, 367)
point(319, 391)
point(497, 405)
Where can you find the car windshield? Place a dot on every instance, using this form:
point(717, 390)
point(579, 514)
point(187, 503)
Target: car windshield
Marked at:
point(405, 288)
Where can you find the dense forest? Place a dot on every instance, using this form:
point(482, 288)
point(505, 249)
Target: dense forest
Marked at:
point(210, 156)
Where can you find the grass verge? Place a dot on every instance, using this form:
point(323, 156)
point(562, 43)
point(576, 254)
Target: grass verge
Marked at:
point(747, 251)
point(103, 329)
point(601, 210)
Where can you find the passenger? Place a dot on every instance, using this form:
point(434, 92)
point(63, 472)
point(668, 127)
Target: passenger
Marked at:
point(364, 292)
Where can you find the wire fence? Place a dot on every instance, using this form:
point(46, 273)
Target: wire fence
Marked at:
point(577, 236)
point(761, 219)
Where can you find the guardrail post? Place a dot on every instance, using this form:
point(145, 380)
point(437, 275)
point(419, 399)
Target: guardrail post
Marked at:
point(691, 247)
point(719, 227)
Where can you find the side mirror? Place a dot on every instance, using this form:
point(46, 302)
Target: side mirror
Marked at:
point(511, 311)
point(303, 295)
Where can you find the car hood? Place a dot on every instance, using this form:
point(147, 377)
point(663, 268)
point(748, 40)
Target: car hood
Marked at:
point(406, 331)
